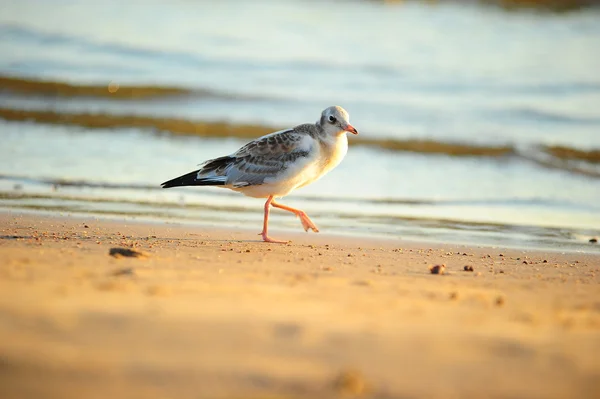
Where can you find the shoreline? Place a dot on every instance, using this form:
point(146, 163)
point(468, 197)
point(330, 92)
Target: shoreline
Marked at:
point(465, 240)
point(215, 313)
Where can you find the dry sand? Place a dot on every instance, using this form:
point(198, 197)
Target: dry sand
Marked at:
point(208, 314)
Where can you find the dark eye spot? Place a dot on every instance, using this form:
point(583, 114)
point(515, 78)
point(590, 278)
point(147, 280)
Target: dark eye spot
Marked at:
point(332, 119)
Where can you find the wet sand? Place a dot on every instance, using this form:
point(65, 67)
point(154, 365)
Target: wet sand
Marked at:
point(215, 313)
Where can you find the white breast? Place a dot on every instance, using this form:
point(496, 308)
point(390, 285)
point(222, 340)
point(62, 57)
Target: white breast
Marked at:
point(331, 153)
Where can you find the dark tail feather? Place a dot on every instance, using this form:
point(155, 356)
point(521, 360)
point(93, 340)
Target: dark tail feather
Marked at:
point(191, 179)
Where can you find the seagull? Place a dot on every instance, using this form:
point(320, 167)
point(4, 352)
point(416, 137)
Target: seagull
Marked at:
point(274, 165)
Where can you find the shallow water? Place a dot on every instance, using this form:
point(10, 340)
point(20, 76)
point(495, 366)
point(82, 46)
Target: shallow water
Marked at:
point(476, 124)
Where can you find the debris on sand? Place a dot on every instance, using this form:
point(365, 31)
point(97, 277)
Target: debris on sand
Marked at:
point(468, 268)
point(349, 382)
point(593, 240)
point(126, 252)
point(500, 300)
point(438, 269)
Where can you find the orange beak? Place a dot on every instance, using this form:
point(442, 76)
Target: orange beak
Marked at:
point(351, 129)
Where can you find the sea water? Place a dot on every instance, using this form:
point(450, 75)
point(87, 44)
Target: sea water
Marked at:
point(476, 124)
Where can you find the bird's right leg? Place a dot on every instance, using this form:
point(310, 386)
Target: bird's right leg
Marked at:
point(264, 234)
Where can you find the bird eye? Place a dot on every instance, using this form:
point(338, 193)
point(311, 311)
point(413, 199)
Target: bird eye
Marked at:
point(332, 119)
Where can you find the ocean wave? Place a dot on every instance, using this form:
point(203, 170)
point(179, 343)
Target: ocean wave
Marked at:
point(573, 160)
point(111, 90)
point(29, 36)
point(552, 117)
point(566, 159)
point(28, 86)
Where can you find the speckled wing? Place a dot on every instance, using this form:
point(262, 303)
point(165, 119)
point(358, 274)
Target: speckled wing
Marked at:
point(263, 159)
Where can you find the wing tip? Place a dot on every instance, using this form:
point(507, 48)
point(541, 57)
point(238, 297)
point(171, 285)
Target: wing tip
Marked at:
point(191, 179)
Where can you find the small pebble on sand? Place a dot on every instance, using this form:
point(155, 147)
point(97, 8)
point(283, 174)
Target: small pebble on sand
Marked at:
point(349, 382)
point(126, 252)
point(468, 268)
point(438, 269)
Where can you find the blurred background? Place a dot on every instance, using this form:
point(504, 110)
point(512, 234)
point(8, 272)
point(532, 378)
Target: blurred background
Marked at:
point(479, 120)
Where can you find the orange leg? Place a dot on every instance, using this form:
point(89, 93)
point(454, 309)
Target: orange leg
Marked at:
point(304, 219)
point(264, 235)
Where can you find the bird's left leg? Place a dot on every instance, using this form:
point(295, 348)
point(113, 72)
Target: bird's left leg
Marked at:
point(264, 232)
point(304, 219)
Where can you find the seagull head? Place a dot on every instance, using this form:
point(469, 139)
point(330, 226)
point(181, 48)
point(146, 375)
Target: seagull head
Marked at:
point(335, 120)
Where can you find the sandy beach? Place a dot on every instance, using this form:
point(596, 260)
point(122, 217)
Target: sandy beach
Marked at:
point(209, 313)
point(457, 255)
